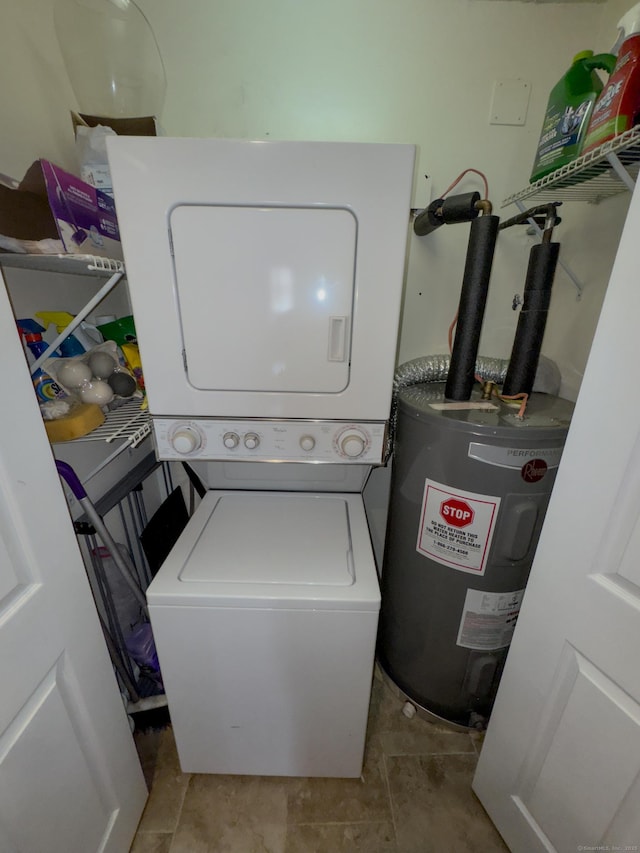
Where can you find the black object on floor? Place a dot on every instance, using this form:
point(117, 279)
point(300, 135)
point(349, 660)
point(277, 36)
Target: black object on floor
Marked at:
point(153, 720)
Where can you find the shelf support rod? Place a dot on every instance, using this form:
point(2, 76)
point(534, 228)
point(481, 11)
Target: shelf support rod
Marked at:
point(576, 281)
point(122, 447)
point(620, 171)
point(88, 308)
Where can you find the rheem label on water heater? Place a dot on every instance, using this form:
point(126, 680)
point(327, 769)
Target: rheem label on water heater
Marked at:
point(456, 527)
point(489, 619)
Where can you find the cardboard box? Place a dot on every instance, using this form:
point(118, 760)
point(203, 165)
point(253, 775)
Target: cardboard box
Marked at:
point(137, 126)
point(50, 203)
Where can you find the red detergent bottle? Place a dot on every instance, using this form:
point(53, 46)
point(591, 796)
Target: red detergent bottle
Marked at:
point(618, 106)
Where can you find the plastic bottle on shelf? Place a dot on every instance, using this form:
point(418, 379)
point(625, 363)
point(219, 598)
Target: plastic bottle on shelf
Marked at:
point(75, 344)
point(569, 108)
point(31, 332)
point(46, 387)
point(618, 107)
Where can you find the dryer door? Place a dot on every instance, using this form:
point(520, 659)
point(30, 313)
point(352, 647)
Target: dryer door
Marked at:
point(270, 311)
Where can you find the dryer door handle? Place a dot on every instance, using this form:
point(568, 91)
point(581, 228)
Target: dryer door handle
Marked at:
point(338, 338)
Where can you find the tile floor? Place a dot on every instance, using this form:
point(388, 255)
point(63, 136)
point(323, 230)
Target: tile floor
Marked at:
point(414, 796)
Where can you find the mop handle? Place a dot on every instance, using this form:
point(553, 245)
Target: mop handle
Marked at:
point(69, 475)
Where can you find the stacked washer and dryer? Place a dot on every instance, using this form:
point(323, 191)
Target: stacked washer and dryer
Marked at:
point(266, 280)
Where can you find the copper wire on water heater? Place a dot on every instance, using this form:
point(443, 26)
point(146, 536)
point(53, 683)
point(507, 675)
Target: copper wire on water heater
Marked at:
point(457, 209)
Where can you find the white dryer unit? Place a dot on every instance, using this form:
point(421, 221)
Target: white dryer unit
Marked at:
point(266, 281)
point(265, 277)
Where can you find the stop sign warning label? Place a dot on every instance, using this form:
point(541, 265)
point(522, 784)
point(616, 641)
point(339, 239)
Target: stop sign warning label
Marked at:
point(456, 512)
point(456, 527)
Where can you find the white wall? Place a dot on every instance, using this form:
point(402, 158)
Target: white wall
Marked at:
point(417, 71)
point(36, 96)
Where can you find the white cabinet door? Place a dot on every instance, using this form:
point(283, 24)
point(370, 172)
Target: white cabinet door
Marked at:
point(70, 779)
point(560, 768)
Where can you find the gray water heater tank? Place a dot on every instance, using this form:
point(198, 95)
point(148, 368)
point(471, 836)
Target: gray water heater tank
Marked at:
point(470, 486)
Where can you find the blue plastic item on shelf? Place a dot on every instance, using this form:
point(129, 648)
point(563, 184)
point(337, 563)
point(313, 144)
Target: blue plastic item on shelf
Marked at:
point(46, 387)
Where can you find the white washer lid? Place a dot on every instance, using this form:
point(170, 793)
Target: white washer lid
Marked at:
point(274, 539)
point(272, 550)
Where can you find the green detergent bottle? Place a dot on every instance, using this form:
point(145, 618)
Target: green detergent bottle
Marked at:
point(568, 112)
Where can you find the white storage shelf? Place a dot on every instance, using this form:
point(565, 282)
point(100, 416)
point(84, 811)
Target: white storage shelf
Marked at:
point(128, 424)
point(610, 169)
point(69, 264)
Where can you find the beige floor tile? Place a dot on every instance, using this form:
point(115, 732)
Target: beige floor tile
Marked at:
point(426, 743)
point(341, 838)
point(385, 712)
point(152, 842)
point(399, 735)
point(478, 740)
point(343, 800)
point(167, 789)
point(338, 800)
point(232, 814)
point(435, 810)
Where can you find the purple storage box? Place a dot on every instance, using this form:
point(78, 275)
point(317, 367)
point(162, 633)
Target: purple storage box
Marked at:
point(85, 217)
point(49, 204)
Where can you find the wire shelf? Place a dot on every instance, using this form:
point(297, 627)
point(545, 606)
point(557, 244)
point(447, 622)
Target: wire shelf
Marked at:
point(592, 177)
point(128, 423)
point(69, 264)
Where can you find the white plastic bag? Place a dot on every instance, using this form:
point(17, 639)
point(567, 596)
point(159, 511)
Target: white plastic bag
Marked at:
point(91, 151)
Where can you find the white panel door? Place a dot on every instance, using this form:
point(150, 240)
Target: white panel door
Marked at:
point(70, 779)
point(560, 768)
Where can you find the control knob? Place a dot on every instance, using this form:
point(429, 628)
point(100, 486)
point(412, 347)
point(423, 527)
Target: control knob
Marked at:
point(353, 443)
point(186, 440)
point(307, 442)
point(251, 440)
point(230, 440)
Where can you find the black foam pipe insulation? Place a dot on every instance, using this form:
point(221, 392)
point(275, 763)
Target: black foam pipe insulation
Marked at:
point(429, 219)
point(447, 211)
point(532, 321)
point(473, 298)
point(460, 208)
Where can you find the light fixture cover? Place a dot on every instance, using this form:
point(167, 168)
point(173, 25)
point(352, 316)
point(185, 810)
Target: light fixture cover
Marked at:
point(111, 56)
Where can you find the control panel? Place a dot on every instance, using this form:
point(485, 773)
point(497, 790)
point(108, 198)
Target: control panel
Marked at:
point(270, 440)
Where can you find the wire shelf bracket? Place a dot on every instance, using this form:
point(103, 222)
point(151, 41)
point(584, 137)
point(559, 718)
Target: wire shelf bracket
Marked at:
point(608, 170)
point(128, 424)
